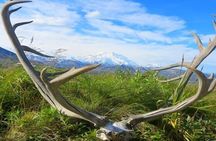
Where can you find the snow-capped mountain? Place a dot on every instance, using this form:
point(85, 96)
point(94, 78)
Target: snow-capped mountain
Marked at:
point(152, 66)
point(56, 62)
point(36, 58)
point(109, 59)
point(110, 62)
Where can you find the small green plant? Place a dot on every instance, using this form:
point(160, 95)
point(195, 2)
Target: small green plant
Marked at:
point(26, 116)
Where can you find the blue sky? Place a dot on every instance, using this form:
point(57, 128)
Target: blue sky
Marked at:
point(148, 32)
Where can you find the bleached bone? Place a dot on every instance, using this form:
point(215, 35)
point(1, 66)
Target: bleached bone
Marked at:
point(203, 53)
point(206, 85)
point(49, 88)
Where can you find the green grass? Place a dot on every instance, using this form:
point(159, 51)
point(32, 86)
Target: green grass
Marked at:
point(25, 115)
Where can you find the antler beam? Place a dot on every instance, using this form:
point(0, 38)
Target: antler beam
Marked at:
point(204, 52)
point(206, 85)
point(47, 89)
point(109, 130)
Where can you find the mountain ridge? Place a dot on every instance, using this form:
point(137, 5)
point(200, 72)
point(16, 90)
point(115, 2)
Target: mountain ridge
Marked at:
point(7, 54)
point(122, 64)
point(108, 58)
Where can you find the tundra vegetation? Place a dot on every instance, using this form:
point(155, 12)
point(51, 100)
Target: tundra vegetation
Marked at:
point(25, 115)
point(108, 106)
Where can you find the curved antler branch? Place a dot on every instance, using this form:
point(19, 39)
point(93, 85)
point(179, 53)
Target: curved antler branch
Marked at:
point(198, 41)
point(172, 79)
point(203, 90)
point(213, 83)
point(28, 49)
point(71, 74)
point(15, 26)
point(47, 89)
point(14, 10)
point(204, 52)
point(214, 24)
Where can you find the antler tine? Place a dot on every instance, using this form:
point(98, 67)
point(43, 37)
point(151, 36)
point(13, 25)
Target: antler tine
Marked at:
point(5, 14)
point(15, 26)
point(211, 76)
point(172, 79)
point(28, 49)
point(212, 82)
point(71, 74)
point(198, 41)
point(212, 86)
point(204, 52)
point(201, 92)
point(8, 4)
point(212, 44)
point(214, 24)
point(14, 10)
point(168, 67)
point(172, 66)
point(48, 91)
point(62, 105)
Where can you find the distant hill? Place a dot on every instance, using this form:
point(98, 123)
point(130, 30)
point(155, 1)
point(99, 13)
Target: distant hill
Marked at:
point(55, 62)
point(110, 62)
point(7, 58)
point(6, 54)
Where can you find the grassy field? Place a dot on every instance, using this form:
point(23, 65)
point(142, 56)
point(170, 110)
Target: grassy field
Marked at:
point(26, 116)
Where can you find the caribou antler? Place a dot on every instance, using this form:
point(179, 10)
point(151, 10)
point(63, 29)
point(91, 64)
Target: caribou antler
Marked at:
point(203, 53)
point(206, 85)
point(109, 130)
point(48, 88)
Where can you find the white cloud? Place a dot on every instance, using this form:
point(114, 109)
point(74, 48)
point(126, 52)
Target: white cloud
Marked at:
point(109, 7)
point(167, 24)
point(92, 14)
point(128, 20)
point(110, 29)
point(49, 13)
point(131, 13)
point(154, 36)
point(92, 26)
point(115, 31)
